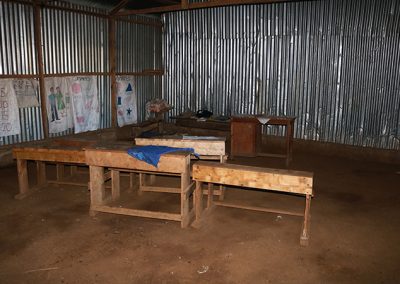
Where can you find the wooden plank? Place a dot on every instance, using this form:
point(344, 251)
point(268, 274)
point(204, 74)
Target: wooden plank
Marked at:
point(49, 155)
point(201, 147)
point(80, 144)
point(257, 208)
point(136, 212)
point(169, 163)
point(65, 182)
point(254, 177)
point(74, 183)
point(161, 189)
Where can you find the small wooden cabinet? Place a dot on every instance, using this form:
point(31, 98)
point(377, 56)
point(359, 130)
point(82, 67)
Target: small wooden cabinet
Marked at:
point(245, 136)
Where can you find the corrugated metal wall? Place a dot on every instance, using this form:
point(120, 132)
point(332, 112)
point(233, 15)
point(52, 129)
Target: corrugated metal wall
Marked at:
point(139, 49)
point(18, 56)
point(333, 64)
point(73, 43)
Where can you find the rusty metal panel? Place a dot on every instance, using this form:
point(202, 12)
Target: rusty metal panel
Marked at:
point(333, 64)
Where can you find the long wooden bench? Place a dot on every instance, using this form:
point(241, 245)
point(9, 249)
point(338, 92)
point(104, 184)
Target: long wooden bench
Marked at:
point(285, 181)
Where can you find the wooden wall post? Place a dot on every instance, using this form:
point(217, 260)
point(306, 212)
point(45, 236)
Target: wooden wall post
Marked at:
point(111, 46)
point(39, 60)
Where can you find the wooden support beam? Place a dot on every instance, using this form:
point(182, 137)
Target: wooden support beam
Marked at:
point(254, 177)
point(39, 54)
point(111, 48)
point(121, 4)
point(157, 24)
point(196, 5)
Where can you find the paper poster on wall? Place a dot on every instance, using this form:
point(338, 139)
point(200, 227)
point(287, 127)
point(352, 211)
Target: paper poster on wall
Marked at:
point(85, 103)
point(26, 91)
point(9, 114)
point(58, 103)
point(126, 101)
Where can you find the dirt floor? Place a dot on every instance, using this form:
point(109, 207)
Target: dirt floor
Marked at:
point(49, 237)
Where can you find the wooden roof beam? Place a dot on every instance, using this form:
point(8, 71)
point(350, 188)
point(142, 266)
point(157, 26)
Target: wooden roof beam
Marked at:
point(185, 5)
point(121, 4)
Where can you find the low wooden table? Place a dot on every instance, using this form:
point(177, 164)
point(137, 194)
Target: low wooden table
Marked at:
point(61, 152)
point(118, 160)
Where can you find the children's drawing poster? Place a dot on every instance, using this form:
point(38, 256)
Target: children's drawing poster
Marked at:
point(9, 114)
point(85, 103)
point(26, 91)
point(58, 103)
point(126, 101)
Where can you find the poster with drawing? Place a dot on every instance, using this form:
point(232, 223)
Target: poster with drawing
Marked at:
point(58, 103)
point(85, 103)
point(126, 101)
point(26, 91)
point(9, 114)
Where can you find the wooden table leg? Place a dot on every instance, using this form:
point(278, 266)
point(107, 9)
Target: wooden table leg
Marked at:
point(41, 173)
point(74, 170)
point(115, 184)
point(142, 183)
point(97, 192)
point(22, 179)
point(210, 196)
point(185, 216)
point(60, 172)
point(198, 203)
point(289, 142)
point(131, 181)
point(222, 187)
point(305, 235)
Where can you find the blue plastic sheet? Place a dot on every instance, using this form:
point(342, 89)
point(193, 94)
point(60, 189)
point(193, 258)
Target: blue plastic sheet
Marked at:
point(151, 154)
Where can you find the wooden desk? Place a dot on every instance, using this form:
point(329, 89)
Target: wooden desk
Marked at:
point(276, 180)
point(246, 136)
point(118, 160)
point(208, 149)
point(61, 152)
